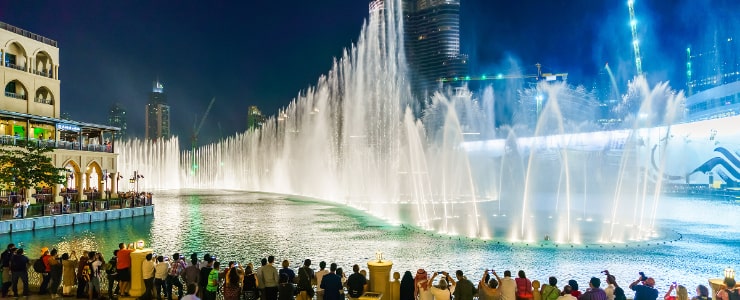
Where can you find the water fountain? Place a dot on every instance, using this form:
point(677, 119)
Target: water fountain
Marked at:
point(352, 140)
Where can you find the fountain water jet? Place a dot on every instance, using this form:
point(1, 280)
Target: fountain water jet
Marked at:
point(353, 140)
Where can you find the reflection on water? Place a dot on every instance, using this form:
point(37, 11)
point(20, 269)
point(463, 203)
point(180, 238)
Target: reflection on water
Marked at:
point(246, 227)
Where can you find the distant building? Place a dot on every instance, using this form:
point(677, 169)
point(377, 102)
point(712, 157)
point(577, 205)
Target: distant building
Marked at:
point(157, 114)
point(117, 118)
point(432, 41)
point(713, 77)
point(255, 118)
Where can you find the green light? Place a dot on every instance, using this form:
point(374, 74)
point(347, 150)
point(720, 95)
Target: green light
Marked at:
point(483, 77)
point(499, 76)
point(455, 78)
point(467, 77)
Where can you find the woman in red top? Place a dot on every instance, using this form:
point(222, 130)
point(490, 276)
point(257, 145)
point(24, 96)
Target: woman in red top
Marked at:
point(523, 287)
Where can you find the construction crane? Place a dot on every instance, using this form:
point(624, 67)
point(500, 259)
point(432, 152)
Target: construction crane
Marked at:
point(537, 77)
point(196, 131)
point(635, 41)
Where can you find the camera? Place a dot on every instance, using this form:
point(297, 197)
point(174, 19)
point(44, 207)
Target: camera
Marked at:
point(642, 276)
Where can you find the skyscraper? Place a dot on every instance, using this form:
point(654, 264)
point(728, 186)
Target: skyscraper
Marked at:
point(255, 118)
point(432, 37)
point(117, 118)
point(157, 114)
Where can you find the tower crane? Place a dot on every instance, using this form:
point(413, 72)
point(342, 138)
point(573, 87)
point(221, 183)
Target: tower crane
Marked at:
point(196, 131)
point(635, 41)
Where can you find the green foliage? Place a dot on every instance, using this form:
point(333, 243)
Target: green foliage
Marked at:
point(27, 165)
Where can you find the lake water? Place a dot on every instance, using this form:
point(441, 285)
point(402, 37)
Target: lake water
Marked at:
point(698, 239)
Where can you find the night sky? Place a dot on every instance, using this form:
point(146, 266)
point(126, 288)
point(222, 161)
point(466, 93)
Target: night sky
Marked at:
point(264, 52)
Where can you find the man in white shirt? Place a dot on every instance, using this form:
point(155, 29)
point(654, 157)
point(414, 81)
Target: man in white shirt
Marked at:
point(507, 286)
point(319, 275)
point(161, 269)
point(147, 273)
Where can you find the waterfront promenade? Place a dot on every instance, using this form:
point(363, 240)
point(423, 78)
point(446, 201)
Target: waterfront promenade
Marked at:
point(51, 215)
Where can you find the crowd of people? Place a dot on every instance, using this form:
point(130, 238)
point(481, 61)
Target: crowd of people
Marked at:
point(206, 278)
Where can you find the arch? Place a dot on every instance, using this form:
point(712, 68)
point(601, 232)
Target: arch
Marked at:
point(44, 95)
point(16, 89)
point(93, 176)
point(15, 55)
point(44, 63)
point(73, 173)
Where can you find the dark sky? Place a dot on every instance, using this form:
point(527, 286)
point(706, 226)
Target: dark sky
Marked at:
point(264, 52)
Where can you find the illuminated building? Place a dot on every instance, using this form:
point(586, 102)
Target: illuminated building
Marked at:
point(255, 118)
point(713, 77)
point(432, 37)
point(157, 114)
point(117, 118)
point(30, 111)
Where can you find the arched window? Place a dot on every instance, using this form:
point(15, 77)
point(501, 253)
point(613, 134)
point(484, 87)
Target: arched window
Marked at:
point(15, 89)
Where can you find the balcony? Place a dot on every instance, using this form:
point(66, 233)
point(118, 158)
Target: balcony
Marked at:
point(44, 101)
point(44, 73)
point(14, 66)
point(12, 140)
point(28, 34)
point(16, 96)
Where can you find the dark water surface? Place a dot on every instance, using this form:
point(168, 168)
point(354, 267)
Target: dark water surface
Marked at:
point(700, 239)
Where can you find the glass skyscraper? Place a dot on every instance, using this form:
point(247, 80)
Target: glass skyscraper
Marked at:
point(157, 114)
point(432, 37)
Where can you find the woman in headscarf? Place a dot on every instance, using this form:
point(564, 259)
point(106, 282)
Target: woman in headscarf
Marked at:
point(407, 287)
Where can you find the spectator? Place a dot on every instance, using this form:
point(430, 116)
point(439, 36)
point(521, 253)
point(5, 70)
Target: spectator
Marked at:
point(614, 290)
point(55, 274)
point(212, 282)
point(250, 285)
point(574, 288)
point(19, 271)
point(422, 285)
point(407, 287)
point(567, 293)
point(232, 282)
point(69, 264)
point(488, 291)
point(594, 292)
point(191, 274)
point(305, 276)
point(356, 283)
point(112, 274)
point(177, 267)
point(443, 290)
point(123, 264)
point(645, 291)
point(147, 273)
point(319, 276)
point(286, 289)
point(288, 271)
point(5, 261)
point(507, 285)
point(332, 284)
point(724, 293)
point(464, 289)
point(550, 291)
point(45, 277)
point(161, 270)
point(271, 279)
point(702, 293)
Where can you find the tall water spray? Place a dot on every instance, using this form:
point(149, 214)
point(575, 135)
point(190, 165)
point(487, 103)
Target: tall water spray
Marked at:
point(353, 140)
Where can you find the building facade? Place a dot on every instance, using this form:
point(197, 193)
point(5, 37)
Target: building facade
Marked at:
point(157, 114)
point(30, 111)
point(432, 41)
point(255, 118)
point(117, 118)
point(713, 77)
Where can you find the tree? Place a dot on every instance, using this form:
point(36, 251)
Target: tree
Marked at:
point(27, 165)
